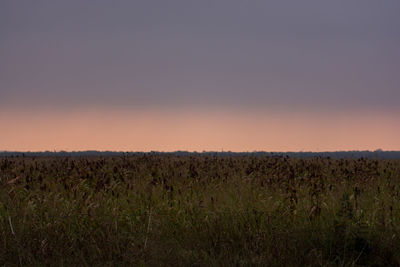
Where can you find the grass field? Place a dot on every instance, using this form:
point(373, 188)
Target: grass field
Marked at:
point(199, 210)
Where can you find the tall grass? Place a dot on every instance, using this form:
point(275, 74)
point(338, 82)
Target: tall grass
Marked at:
point(199, 210)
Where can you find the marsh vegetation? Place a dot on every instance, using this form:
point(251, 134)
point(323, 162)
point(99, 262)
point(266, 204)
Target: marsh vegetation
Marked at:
point(199, 210)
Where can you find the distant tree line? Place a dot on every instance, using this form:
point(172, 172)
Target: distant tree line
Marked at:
point(378, 154)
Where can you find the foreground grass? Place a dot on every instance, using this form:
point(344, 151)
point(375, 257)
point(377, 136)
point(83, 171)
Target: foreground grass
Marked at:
point(203, 210)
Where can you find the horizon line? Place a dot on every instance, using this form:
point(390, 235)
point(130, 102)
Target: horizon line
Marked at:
point(193, 151)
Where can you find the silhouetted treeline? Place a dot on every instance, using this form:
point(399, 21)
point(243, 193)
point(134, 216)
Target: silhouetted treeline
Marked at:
point(378, 154)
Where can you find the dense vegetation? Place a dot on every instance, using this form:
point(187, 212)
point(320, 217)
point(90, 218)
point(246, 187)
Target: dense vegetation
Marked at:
point(199, 210)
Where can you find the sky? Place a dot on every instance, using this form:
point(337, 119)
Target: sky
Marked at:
point(215, 75)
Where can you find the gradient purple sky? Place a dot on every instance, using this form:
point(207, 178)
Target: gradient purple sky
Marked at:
point(199, 75)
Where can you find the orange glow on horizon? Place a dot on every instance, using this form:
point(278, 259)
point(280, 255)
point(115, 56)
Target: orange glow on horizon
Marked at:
point(197, 130)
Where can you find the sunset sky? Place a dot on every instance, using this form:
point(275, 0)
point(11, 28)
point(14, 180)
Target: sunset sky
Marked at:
point(215, 75)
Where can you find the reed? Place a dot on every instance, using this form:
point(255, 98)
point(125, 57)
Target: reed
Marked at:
point(199, 210)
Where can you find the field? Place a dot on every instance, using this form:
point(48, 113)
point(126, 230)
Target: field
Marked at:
point(199, 210)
